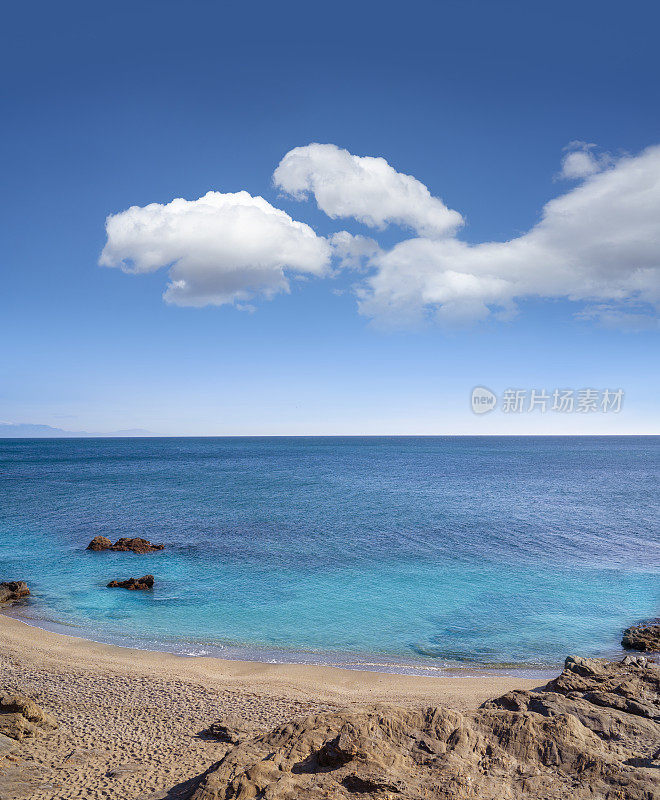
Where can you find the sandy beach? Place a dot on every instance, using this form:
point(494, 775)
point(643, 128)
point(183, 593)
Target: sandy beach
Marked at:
point(130, 720)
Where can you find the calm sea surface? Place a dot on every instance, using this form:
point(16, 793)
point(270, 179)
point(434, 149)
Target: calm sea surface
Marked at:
point(409, 553)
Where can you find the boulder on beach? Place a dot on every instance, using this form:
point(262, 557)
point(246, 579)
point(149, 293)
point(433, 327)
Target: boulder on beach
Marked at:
point(11, 591)
point(645, 637)
point(124, 545)
point(592, 733)
point(99, 543)
point(21, 718)
point(145, 582)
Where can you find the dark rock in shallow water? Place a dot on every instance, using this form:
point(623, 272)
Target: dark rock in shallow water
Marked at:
point(642, 637)
point(21, 718)
point(145, 582)
point(135, 545)
point(99, 543)
point(593, 733)
point(124, 545)
point(11, 591)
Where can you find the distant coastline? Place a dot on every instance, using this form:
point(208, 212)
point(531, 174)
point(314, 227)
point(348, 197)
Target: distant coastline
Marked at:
point(25, 430)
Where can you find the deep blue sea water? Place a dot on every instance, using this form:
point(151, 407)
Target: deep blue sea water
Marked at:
point(412, 553)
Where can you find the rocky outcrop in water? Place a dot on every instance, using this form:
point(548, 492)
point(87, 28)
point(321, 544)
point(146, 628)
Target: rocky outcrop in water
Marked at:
point(642, 637)
point(11, 591)
point(124, 545)
point(99, 543)
point(593, 733)
point(135, 545)
point(21, 718)
point(134, 584)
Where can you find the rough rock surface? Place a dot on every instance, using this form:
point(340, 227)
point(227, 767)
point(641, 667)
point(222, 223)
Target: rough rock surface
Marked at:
point(231, 729)
point(99, 543)
point(145, 582)
point(21, 718)
point(135, 545)
point(592, 733)
point(124, 545)
point(11, 591)
point(643, 637)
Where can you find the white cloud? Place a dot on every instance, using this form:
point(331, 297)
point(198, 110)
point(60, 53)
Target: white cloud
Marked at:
point(353, 252)
point(598, 243)
point(221, 248)
point(582, 160)
point(630, 317)
point(365, 188)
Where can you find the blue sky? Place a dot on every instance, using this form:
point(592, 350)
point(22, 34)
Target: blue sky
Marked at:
point(129, 104)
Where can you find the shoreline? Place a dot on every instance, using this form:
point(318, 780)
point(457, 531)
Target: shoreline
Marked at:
point(380, 663)
point(131, 722)
point(464, 688)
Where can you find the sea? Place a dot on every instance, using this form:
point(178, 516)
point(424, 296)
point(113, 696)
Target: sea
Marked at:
point(416, 555)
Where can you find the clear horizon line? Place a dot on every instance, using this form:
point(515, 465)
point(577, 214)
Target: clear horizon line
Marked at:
point(339, 436)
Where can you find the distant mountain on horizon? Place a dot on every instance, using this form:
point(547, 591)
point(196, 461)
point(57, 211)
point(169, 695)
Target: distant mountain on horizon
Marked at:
point(26, 430)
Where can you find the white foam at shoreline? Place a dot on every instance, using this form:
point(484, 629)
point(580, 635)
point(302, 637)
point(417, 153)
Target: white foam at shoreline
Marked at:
point(300, 658)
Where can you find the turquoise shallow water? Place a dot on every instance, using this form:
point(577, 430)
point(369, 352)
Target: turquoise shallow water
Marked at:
point(403, 552)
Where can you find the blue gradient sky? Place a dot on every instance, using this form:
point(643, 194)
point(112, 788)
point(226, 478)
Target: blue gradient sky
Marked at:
point(122, 104)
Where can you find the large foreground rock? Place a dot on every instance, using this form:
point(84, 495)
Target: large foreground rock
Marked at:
point(124, 545)
point(642, 637)
point(591, 734)
point(11, 591)
point(134, 584)
point(21, 718)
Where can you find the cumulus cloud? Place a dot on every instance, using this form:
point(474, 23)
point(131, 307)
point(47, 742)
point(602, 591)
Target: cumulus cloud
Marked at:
point(353, 252)
point(599, 243)
point(582, 160)
point(220, 249)
point(364, 188)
